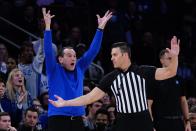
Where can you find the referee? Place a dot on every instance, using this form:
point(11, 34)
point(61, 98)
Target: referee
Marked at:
point(128, 84)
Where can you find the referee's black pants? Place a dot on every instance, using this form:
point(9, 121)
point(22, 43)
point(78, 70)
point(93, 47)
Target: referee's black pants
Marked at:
point(140, 121)
point(65, 123)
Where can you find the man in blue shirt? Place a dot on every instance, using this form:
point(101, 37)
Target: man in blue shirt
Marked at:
point(66, 79)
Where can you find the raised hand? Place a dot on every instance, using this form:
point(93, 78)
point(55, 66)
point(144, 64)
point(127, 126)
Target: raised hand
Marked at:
point(102, 21)
point(47, 18)
point(21, 97)
point(188, 127)
point(60, 102)
point(175, 46)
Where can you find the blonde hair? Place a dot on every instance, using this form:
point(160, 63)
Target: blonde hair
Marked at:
point(11, 91)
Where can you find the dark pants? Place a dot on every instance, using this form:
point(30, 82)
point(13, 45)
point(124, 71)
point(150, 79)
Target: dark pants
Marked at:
point(169, 125)
point(65, 123)
point(134, 122)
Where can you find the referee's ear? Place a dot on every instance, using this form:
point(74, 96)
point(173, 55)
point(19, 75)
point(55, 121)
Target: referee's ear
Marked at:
point(126, 54)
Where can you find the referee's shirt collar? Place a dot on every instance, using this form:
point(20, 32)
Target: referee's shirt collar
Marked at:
point(125, 72)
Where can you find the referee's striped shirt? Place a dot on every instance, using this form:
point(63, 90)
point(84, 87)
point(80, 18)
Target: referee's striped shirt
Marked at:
point(129, 88)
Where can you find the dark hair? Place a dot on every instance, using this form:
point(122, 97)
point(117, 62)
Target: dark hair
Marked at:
point(25, 45)
point(32, 109)
point(4, 114)
point(14, 58)
point(61, 52)
point(162, 53)
point(124, 47)
point(102, 111)
point(2, 80)
point(41, 100)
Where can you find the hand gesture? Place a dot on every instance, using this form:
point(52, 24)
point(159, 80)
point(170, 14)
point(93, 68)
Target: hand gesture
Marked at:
point(188, 126)
point(21, 97)
point(102, 21)
point(47, 17)
point(175, 46)
point(59, 103)
point(10, 128)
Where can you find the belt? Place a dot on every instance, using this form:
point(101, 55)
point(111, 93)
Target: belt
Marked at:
point(73, 117)
point(172, 117)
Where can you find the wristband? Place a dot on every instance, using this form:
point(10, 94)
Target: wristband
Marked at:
point(187, 120)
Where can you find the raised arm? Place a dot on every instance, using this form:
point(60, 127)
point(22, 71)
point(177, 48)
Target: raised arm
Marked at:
point(47, 18)
point(89, 98)
point(171, 70)
point(49, 54)
point(94, 48)
point(102, 21)
point(39, 58)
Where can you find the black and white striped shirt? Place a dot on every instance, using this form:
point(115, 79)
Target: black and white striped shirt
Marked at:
point(129, 88)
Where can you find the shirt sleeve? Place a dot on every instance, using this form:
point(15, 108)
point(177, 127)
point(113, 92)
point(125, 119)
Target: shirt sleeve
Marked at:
point(150, 90)
point(49, 54)
point(39, 58)
point(106, 82)
point(148, 72)
point(92, 52)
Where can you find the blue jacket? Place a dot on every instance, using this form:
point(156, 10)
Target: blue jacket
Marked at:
point(12, 109)
point(68, 84)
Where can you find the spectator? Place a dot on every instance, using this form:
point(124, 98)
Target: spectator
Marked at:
point(5, 122)
point(3, 58)
point(6, 105)
point(102, 120)
point(16, 90)
point(31, 67)
point(30, 122)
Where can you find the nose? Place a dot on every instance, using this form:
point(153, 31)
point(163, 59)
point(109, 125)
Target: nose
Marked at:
point(20, 76)
point(112, 58)
point(8, 123)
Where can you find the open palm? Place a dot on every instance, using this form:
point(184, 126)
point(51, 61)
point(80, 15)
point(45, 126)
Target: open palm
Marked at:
point(47, 16)
point(60, 102)
point(102, 21)
point(175, 46)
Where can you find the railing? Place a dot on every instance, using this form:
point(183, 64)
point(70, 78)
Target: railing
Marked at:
point(9, 41)
point(17, 27)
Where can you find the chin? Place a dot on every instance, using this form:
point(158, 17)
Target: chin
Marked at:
point(115, 66)
point(71, 69)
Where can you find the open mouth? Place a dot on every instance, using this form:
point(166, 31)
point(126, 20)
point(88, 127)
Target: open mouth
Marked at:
point(20, 81)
